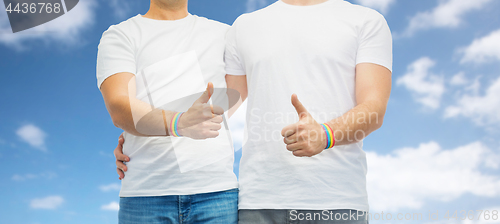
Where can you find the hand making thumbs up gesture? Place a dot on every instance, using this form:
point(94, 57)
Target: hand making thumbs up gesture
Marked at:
point(306, 137)
point(202, 120)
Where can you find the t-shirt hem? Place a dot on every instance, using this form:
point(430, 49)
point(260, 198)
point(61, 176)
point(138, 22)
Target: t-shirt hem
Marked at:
point(305, 207)
point(100, 81)
point(184, 191)
point(384, 63)
point(230, 71)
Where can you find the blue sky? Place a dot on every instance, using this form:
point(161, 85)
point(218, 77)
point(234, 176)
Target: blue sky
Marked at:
point(438, 149)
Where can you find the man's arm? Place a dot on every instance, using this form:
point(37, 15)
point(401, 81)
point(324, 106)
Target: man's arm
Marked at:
point(136, 117)
point(373, 88)
point(238, 83)
point(119, 93)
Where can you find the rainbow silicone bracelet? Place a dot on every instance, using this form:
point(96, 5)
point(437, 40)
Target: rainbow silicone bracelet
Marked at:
point(327, 135)
point(330, 136)
point(174, 123)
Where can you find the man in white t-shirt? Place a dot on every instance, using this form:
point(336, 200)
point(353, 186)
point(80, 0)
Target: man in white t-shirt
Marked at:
point(337, 58)
point(150, 68)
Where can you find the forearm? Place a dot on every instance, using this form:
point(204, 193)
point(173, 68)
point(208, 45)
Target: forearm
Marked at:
point(358, 122)
point(139, 118)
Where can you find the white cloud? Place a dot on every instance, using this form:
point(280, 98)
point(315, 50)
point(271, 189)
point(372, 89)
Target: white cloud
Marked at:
point(380, 5)
point(120, 7)
point(65, 29)
point(409, 177)
point(426, 87)
point(253, 5)
point(459, 79)
point(483, 49)
point(24, 177)
point(475, 86)
point(50, 202)
point(483, 110)
point(110, 187)
point(448, 14)
point(33, 135)
point(113, 206)
point(29, 176)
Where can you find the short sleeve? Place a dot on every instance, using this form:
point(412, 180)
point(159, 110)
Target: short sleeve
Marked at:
point(234, 65)
point(375, 41)
point(115, 55)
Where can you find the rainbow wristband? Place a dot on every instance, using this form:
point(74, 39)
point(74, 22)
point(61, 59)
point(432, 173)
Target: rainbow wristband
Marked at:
point(174, 123)
point(327, 135)
point(330, 138)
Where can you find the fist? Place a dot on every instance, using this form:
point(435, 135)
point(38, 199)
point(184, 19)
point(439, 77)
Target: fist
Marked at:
point(306, 137)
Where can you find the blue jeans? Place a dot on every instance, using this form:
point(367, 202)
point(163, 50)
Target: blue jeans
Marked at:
point(216, 207)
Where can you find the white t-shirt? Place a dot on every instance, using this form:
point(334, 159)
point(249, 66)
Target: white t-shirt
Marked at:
point(171, 60)
point(311, 51)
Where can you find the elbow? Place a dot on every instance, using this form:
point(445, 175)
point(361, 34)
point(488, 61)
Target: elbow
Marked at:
point(379, 125)
point(116, 121)
point(376, 119)
point(116, 114)
point(380, 121)
point(119, 119)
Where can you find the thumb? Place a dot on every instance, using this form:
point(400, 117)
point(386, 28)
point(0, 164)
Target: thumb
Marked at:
point(205, 97)
point(301, 110)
